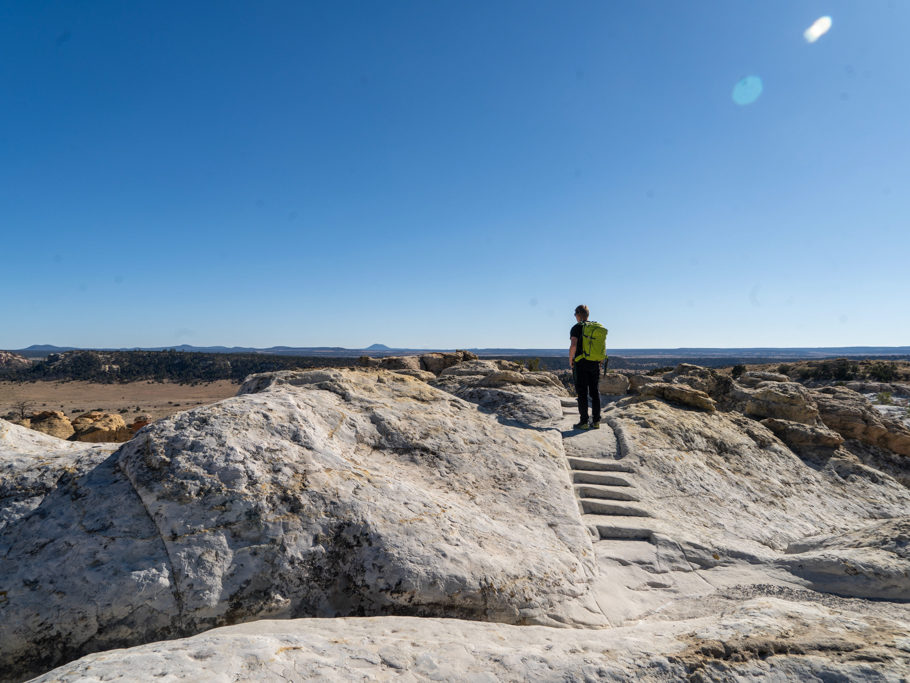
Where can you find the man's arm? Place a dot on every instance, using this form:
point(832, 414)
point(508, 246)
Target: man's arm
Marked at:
point(572, 351)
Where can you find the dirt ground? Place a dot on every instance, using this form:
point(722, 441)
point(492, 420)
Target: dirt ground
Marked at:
point(157, 399)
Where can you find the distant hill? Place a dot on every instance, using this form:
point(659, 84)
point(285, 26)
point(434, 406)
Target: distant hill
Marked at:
point(662, 356)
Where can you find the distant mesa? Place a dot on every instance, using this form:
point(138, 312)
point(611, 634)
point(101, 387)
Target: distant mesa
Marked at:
point(377, 347)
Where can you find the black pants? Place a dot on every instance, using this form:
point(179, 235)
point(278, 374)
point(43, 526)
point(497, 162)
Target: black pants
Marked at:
point(587, 376)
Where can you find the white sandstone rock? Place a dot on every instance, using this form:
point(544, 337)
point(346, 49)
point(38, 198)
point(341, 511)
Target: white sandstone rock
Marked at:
point(319, 493)
point(32, 463)
point(758, 639)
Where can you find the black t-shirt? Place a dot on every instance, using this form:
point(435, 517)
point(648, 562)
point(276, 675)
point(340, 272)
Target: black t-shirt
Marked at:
point(577, 333)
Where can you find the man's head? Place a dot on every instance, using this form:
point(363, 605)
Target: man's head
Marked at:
point(582, 313)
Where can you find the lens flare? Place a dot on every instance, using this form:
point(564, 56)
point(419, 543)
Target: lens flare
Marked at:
point(819, 28)
point(747, 90)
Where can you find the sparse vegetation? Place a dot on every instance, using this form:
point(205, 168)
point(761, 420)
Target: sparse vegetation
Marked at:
point(883, 398)
point(882, 372)
point(176, 366)
point(22, 409)
point(784, 369)
point(738, 370)
point(842, 369)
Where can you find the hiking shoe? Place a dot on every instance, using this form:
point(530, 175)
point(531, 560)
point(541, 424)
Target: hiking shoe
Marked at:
point(595, 424)
point(581, 425)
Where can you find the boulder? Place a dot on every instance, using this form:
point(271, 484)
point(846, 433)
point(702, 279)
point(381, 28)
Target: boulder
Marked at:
point(639, 381)
point(400, 363)
point(437, 362)
point(52, 423)
point(471, 368)
point(680, 394)
point(138, 423)
point(801, 437)
point(98, 427)
point(390, 362)
point(319, 493)
point(541, 380)
point(614, 384)
point(780, 400)
point(702, 379)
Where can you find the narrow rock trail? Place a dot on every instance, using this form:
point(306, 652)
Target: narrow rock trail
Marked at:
point(641, 569)
point(605, 487)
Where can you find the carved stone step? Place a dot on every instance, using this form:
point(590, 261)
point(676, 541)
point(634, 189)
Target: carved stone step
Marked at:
point(607, 492)
point(619, 528)
point(598, 464)
point(597, 506)
point(603, 478)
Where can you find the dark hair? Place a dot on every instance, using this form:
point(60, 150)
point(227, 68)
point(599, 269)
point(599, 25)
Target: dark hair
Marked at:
point(582, 311)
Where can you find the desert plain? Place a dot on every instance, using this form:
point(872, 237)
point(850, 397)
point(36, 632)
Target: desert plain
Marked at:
point(130, 399)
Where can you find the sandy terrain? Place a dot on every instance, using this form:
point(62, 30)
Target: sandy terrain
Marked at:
point(158, 399)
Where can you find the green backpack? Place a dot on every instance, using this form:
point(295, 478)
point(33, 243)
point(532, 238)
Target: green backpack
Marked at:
point(593, 342)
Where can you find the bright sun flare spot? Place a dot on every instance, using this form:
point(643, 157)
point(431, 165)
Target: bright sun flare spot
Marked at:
point(819, 28)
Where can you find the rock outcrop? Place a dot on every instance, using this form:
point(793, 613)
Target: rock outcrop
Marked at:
point(320, 493)
point(722, 546)
point(433, 363)
point(801, 437)
point(98, 427)
point(13, 361)
point(737, 490)
point(614, 384)
point(52, 423)
point(779, 400)
point(506, 389)
point(681, 394)
point(138, 423)
point(850, 414)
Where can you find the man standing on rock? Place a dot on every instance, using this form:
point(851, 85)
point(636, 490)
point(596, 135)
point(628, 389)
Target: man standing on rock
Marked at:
point(586, 373)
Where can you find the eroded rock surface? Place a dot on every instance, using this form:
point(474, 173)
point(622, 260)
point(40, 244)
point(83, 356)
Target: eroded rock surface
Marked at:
point(851, 415)
point(320, 493)
point(32, 464)
point(734, 484)
point(763, 638)
point(726, 546)
point(506, 389)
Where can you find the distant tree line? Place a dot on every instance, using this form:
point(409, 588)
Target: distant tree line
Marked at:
point(844, 369)
point(171, 365)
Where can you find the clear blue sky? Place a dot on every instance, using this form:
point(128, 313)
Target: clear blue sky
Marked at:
point(453, 174)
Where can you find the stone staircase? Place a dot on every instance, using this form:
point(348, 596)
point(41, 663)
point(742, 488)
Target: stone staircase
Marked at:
point(605, 487)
